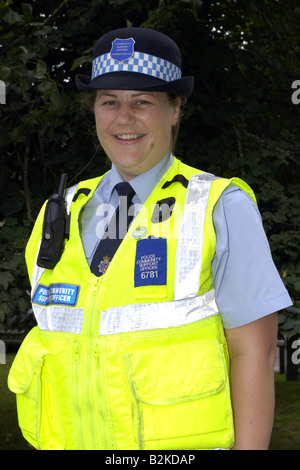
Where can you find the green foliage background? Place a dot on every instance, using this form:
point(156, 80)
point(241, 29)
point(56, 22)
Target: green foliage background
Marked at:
point(240, 121)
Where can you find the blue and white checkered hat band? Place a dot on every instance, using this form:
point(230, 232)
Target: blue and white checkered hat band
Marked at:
point(139, 63)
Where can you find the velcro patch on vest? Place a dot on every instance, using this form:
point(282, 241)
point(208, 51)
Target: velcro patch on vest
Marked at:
point(56, 294)
point(151, 262)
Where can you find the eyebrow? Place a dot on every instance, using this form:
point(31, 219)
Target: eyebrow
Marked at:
point(142, 93)
point(135, 95)
point(107, 94)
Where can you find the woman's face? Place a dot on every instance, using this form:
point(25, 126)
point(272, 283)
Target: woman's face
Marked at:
point(134, 128)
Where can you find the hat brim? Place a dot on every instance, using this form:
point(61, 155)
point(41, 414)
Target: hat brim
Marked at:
point(134, 81)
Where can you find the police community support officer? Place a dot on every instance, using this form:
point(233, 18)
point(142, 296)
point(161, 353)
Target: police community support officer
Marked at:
point(166, 341)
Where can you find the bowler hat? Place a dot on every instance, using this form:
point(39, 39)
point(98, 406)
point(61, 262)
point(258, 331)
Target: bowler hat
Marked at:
point(136, 59)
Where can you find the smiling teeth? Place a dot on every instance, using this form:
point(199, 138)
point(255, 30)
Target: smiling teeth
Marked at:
point(129, 136)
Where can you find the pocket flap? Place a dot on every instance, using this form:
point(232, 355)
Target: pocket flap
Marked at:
point(25, 363)
point(176, 373)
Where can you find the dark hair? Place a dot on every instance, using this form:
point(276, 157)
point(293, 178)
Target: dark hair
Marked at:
point(89, 98)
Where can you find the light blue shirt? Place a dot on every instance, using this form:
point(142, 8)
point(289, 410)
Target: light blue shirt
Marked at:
point(246, 281)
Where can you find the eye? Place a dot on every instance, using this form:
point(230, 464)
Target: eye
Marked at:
point(109, 103)
point(143, 103)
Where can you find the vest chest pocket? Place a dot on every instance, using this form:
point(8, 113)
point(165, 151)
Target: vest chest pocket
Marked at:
point(180, 396)
point(32, 378)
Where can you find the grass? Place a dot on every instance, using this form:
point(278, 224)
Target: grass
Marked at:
point(286, 429)
point(285, 436)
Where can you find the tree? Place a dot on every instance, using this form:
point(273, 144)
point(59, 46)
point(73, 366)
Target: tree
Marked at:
point(240, 121)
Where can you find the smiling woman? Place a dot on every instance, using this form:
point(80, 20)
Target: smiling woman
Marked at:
point(89, 98)
point(134, 128)
point(161, 333)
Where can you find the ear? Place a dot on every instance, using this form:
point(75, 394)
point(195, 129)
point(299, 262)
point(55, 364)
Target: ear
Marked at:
point(177, 107)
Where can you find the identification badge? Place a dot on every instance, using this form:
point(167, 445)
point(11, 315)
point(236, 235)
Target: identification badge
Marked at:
point(122, 49)
point(56, 294)
point(151, 262)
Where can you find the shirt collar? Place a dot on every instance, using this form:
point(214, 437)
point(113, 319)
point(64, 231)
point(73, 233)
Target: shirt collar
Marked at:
point(145, 183)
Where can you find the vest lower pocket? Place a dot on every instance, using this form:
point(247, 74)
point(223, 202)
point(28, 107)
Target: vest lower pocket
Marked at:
point(180, 396)
point(32, 378)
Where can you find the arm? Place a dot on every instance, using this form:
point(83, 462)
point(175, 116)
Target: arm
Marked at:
point(252, 350)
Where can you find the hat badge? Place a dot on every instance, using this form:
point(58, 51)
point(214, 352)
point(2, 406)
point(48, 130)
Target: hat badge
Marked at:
point(122, 49)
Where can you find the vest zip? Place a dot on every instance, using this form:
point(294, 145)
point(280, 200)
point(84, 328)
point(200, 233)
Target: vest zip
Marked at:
point(97, 364)
point(106, 428)
point(81, 387)
point(89, 370)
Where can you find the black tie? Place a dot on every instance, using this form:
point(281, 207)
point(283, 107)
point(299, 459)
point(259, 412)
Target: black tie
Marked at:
point(115, 232)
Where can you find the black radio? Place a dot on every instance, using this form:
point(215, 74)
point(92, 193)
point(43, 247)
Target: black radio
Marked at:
point(55, 228)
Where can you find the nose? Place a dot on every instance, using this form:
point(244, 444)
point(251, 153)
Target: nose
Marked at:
point(125, 115)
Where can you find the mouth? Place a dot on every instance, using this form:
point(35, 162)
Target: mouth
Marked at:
point(129, 137)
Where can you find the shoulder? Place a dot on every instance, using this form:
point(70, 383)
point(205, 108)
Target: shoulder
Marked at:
point(235, 204)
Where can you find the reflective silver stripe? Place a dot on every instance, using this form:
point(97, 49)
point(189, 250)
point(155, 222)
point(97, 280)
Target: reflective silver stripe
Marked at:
point(70, 193)
point(190, 238)
point(150, 316)
point(58, 318)
point(37, 273)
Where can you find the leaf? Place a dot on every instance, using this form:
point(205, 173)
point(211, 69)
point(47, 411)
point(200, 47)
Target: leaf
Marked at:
point(80, 61)
point(5, 72)
point(42, 32)
point(5, 279)
point(12, 265)
point(41, 69)
point(289, 321)
point(12, 17)
point(27, 12)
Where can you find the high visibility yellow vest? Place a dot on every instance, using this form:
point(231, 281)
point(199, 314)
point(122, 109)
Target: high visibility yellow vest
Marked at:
point(135, 359)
